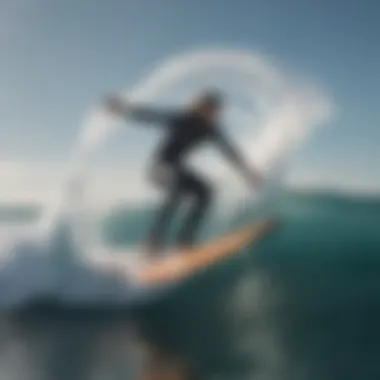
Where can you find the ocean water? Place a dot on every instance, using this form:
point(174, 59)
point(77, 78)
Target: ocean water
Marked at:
point(304, 304)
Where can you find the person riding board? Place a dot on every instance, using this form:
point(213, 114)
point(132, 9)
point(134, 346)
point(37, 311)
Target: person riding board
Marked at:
point(184, 130)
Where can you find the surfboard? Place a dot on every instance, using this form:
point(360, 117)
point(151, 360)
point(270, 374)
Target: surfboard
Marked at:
point(186, 263)
point(130, 279)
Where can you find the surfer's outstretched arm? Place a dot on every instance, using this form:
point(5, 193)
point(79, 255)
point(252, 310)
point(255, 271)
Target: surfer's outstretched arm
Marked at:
point(138, 112)
point(235, 157)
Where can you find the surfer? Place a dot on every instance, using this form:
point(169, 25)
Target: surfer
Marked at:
point(184, 130)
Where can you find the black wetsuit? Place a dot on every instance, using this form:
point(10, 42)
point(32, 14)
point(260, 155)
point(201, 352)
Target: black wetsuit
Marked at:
point(184, 132)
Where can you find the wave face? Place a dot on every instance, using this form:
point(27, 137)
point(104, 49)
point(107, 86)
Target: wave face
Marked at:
point(51, 264)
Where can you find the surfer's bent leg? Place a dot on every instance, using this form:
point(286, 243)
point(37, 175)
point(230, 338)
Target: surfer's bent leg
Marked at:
point(165, 178)
point(201, 194)
point(158, 232)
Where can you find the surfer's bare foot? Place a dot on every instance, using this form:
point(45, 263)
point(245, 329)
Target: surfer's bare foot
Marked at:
point(151, 253)
point(184, 247)
point(153, 250)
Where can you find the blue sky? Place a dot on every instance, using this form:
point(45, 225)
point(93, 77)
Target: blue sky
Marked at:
point(60, 57)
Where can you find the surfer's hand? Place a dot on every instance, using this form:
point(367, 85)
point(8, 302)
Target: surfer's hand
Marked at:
point(115, 105)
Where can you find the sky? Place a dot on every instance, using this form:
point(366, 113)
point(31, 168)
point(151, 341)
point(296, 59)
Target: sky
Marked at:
point(58, 58)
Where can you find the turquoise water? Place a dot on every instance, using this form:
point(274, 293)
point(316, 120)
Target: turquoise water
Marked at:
point(304, 304)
